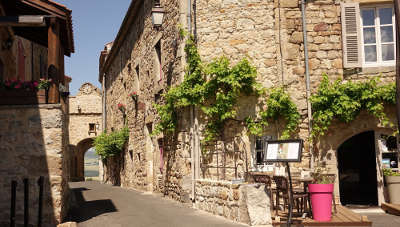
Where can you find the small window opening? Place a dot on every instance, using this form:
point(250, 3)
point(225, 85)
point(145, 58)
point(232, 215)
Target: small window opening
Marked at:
point(129, 68)
point(149, 127)
point(137, 71)
point(158, 51)
point(131, 154)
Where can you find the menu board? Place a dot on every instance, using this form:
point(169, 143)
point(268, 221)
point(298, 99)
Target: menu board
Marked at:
point(283, 150)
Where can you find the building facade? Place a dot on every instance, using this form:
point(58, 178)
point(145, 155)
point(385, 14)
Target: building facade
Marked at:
point(85, 116)
point(34, 120)
point(348, 40)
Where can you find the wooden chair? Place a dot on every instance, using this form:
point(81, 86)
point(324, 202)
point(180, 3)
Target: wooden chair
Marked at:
point(299, 196)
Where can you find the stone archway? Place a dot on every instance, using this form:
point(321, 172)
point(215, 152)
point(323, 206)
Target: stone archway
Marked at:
point(78, 159)
point(328, 146)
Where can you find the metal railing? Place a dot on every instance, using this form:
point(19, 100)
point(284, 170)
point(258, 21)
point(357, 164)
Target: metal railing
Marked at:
point(14, 186)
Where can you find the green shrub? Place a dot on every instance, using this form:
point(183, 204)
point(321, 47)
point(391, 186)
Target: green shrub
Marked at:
point(390, 172)
point(110, 144)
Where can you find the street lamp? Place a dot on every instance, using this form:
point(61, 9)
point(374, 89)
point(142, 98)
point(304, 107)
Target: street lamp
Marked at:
point(157, 15)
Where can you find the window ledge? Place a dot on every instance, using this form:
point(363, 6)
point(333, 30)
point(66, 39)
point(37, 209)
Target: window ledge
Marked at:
point(378, 69)
point(369, 70)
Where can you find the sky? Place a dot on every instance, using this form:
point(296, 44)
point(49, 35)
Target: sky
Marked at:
point(95, 22)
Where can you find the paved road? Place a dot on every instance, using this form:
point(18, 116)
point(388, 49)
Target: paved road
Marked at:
point(378, 217)
point(384, 220)
point(101, 205)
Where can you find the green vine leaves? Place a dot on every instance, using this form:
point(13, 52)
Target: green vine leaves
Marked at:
point(344, 101)
point(110, 144)
point(215, 88)
point(278, 105)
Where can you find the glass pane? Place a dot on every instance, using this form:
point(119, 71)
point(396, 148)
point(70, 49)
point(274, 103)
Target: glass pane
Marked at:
point(370, 53)
point(368, 17)
point(259, 143)
point(385, 15)
point(387, 52)
point(387, 33)
point(369, 35)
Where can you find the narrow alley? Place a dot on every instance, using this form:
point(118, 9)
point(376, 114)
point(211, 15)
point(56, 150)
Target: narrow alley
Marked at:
point(129, 208)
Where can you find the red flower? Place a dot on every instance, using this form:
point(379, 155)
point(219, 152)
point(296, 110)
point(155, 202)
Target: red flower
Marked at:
point(121, 107)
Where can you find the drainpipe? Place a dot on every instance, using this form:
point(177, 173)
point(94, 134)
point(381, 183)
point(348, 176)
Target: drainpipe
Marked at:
point(104, 116)
point(104, 102)
point(309, 111)
point(192, 112)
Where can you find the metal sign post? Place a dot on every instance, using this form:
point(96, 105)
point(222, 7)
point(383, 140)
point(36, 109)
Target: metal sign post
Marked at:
point(285, 151)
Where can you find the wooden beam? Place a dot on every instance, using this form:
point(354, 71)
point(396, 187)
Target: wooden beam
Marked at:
point(391, 208)
point(46, 7)
point(53, 61)
point(23, 21)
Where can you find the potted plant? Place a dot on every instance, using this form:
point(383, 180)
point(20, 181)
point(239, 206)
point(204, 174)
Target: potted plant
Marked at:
point(14, 91)
point(321, 191)
point(392, 180)
point(121, 107)
point(134, 95)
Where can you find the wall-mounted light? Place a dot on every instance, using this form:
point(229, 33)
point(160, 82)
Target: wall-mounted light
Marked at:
point(157, 15)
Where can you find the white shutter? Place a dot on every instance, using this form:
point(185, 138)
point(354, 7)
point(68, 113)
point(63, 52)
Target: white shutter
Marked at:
point(351, 38)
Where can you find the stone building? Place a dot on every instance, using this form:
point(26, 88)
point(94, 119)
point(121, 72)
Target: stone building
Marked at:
point(85, 123)
point(34, 123)
point(147, 60)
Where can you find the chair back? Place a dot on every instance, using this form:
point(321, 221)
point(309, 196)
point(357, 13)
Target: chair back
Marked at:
point(263, 179)
point(281, 183)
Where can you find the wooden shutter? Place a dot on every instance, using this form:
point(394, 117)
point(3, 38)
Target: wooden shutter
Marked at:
point(351, 35)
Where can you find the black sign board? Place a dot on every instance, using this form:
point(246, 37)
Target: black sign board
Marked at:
point(283, 150)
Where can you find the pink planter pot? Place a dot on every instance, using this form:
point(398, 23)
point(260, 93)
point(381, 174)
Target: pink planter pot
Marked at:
point(321, 201)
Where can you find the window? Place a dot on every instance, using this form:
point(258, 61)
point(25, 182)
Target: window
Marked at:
point(259, 149)
point(378, 36)
point(137, 71)
point(92, 128)
point(158, 52)
point(368, 35)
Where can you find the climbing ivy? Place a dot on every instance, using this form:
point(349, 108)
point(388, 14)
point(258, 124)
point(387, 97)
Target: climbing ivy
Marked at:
point(278, 105)
point(215, 87)
point(110, 144)
point(344, 101)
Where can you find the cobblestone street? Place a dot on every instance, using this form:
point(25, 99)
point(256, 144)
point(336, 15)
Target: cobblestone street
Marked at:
point(100, 205)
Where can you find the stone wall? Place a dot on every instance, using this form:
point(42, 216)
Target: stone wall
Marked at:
point(85, 108)
point(245, 203)
point(270, 34)
point(32, 145)
point(136, 68)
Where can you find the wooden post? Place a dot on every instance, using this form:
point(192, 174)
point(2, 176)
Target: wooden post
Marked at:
point(54, 59)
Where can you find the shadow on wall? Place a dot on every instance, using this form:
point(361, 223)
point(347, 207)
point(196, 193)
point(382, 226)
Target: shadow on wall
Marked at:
point(88, 209)
point(32, 145)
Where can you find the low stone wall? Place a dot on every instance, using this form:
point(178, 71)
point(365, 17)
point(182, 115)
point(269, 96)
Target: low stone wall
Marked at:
point(32, 144)
point(245, 203)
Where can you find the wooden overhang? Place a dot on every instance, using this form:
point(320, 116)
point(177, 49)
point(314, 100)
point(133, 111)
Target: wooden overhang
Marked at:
point(39, 34)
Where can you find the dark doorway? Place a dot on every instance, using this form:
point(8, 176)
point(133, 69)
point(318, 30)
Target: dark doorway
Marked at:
point(357, 170)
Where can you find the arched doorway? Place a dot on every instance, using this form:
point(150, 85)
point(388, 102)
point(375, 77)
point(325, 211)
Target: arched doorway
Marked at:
point(78, 167)
point(357, 170)
point(91, 164)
